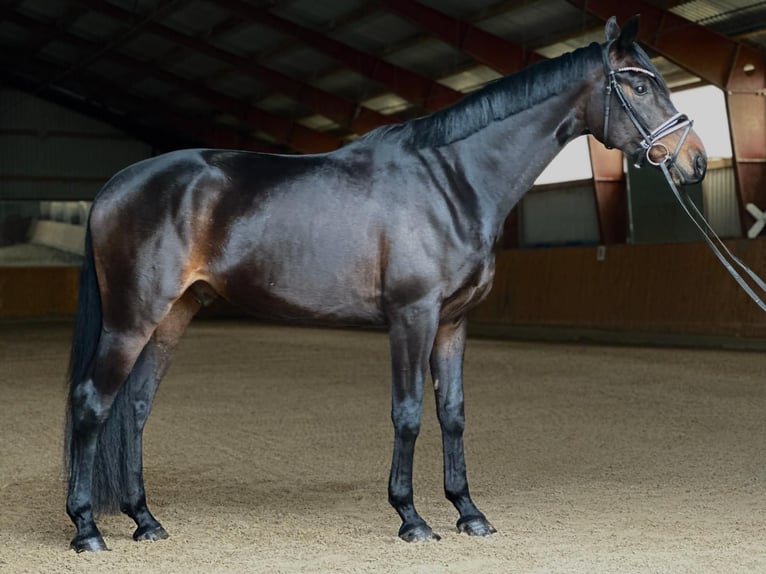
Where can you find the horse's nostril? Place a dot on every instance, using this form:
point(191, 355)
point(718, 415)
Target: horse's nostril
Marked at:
point(700, 164)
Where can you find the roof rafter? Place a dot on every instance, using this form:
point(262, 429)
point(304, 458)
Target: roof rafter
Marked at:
point(493, 51)
point(346, 112)
point(299, 137)
point(113, 96)
point(421, 91)
point(41, 38)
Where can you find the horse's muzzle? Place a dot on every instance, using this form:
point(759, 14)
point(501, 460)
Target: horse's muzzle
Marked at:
point(683, 171)
point(700, 165)
point(694, 172)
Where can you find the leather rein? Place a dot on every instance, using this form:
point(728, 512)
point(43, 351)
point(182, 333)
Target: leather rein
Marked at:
point(651, 142)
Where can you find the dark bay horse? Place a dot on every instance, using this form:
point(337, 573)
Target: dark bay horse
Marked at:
point(396, 229)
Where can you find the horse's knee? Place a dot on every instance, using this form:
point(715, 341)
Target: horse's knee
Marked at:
point(406, 419)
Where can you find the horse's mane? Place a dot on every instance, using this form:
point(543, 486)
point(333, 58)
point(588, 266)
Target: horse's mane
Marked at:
point(497, 100)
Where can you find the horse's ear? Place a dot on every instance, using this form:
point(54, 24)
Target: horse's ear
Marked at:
point(628, 33)
point(612, 29)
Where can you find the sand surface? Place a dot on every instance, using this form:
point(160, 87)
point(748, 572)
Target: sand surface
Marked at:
point(268, 451)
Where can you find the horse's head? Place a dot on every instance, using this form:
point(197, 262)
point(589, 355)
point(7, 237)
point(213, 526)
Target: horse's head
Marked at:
point(632, 111)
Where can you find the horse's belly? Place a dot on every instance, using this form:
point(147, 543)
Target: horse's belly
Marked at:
point(306, 301)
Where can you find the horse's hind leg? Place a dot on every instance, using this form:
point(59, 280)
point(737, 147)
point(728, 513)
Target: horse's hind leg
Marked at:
point(144, 380)
point(447, 373)
point(90, 402)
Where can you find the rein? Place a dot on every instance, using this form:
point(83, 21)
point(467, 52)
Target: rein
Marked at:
point(651, 142)
point(717, 246)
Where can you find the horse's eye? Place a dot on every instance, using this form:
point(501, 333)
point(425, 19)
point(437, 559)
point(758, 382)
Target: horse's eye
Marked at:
point(641, 89)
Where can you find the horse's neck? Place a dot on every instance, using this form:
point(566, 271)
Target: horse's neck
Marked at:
point(502, 161)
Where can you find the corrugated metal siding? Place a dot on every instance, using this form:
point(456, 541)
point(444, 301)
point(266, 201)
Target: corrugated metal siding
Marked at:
point(21, 110)
point(719, 194)
point(48, 152)
point(653, 213)
point(562, 216)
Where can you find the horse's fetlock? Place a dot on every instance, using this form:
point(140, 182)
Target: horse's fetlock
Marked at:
point(76, 509)
point(456, 495)
point(400, 500)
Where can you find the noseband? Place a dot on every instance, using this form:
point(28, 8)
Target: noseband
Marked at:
point(651, 141)
point(651, 138)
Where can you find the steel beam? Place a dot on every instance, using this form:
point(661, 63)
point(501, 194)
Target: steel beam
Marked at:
point(298, 137)
point(746, 107)
point(200, 131)
point(41, 38)
point(611, 192)
point(347, 113)
point(737, 68)
point(155, 136)
point(421, 91)
point(492, 51)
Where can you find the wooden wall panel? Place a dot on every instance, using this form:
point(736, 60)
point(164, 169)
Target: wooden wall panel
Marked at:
point(38, 291)
point(674, 288)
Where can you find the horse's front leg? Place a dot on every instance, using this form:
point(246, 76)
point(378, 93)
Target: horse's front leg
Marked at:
point(447, 373)
point(411, 337)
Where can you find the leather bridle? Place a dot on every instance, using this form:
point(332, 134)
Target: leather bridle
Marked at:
point(651, 141)
point(651, 138)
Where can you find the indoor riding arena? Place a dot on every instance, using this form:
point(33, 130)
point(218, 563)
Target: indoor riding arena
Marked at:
point(411, 185)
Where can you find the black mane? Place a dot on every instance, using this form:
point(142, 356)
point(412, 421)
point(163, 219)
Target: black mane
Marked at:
point(502, 98)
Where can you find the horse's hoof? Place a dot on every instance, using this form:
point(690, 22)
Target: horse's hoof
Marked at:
point(90, 544)
point(152, 533)
point(475, 526)
point(417, 533)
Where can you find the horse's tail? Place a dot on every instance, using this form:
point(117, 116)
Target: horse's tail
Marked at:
point(111, 464)
point(85, 337)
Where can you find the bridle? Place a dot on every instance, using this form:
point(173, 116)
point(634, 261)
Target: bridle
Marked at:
point(651, 141)
point(651, 138)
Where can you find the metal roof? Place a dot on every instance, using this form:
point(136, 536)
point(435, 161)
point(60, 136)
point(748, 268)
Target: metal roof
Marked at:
point(176, 71)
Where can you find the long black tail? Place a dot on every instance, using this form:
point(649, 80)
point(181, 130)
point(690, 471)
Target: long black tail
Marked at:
point(85, 337)
point(113, 449)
